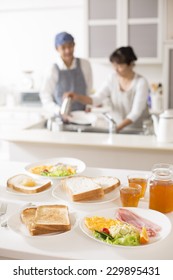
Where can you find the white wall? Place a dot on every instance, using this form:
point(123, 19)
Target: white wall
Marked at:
point(27, 33)
point(27, 30)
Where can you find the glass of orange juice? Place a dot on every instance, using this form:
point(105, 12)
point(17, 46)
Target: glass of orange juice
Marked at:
point(130, 194)
point(140, 179)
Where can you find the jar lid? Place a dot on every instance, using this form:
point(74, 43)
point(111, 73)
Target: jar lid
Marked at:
point(163, 171)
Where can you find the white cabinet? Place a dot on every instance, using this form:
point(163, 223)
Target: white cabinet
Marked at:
point(168, 76)
point(168, 9)
point(115, 23)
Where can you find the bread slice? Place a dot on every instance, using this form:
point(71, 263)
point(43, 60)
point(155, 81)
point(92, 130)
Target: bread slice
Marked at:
point(108, 183)
point(26, 184)
point(55, 217)
point(27, 217)
point(46, 219)
point(83, 188)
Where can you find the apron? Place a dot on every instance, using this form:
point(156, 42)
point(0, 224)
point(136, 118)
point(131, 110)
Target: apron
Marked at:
point(70, 80)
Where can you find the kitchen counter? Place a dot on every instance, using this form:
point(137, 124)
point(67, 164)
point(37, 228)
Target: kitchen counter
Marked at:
point(74, 244)
point(25, 138)
point(96, 149)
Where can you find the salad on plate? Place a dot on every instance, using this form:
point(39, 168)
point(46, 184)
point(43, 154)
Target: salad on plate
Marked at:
point(57, 170)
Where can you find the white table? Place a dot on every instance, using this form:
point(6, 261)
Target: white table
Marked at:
point(74, 244)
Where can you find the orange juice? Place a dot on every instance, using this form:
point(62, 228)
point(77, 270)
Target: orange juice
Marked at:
point(161, 196)
point(140, 181)
point(130, 195)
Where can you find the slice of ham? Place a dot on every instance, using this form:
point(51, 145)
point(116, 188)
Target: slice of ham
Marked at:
point(137, 221)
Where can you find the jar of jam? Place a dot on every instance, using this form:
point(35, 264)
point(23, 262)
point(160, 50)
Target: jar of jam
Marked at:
point(161, 188)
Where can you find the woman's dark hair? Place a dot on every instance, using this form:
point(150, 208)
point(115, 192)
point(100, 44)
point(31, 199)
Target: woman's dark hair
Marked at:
point(123, 55)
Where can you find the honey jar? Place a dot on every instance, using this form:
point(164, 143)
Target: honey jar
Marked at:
point(161, 188)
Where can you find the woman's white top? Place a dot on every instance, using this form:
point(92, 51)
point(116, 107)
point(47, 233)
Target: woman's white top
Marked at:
point(51, 79)
point(130, 104)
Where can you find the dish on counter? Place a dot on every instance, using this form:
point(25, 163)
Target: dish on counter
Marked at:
point(87, 190)
point(155, 217)
point(16, 225)
point(56, 168)
point(82, 118)
point(23, 184)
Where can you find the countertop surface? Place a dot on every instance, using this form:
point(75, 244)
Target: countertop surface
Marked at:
point(25, 122)
point(107, 140)
point(74, 244)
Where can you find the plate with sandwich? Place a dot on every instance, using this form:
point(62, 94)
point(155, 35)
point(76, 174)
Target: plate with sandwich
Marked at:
point(22, 184)
point(56, 168)
point(83, 190)
point(43, 221)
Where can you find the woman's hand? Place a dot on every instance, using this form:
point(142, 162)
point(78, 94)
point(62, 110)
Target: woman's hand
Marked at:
point(123, 124)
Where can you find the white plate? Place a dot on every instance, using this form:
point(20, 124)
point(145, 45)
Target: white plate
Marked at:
point(151, 215)
point(66, 160)
point(13, 192)
point(82, 118)
point(15, 224)
point(59, 193)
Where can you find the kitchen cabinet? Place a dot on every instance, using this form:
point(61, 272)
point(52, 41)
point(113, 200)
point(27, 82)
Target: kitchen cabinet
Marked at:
point(114, 23)
point(168, 74)
point(168, 10)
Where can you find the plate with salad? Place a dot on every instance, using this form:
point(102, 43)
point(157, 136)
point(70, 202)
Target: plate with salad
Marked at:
point(126, 227)
point(56, 168)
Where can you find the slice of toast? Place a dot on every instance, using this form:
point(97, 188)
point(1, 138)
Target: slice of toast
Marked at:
point(55, 217)
point(46, 219)
point(83, 188)
point(108, 183)
point(26, 184)
point(28, 215)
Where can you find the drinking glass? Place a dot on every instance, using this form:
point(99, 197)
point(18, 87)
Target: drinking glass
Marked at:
point(140, 179)
point(130, 194)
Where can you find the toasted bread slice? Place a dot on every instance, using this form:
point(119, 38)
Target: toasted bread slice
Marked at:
point(26, 184)
point(46, 219)
point(83, 188)
point(28, 215)
point(54, 217)
point(108, 183)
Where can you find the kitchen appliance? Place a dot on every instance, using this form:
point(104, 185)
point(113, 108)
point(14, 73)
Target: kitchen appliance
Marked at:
point(163, 126)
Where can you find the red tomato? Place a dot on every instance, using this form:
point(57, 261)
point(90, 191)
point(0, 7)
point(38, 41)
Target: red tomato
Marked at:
point(106, 230)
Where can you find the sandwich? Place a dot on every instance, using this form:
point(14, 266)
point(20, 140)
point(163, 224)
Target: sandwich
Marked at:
point(83, 188)
point(46, 219)
point(108, 183)
point(26, 184)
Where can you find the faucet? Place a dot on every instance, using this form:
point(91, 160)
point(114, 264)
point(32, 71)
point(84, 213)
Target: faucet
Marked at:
point(54, 123)
point(111, 121)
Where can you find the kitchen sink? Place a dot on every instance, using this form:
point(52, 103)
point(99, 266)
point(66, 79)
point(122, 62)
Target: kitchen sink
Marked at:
point(80, 128)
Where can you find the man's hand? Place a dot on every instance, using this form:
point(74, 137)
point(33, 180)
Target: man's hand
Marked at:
point(72, 95)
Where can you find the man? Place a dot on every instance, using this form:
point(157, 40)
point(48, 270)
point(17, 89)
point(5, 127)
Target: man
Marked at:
point(68, 75)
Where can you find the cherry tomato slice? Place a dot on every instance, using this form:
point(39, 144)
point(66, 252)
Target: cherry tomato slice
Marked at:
point(106, 230)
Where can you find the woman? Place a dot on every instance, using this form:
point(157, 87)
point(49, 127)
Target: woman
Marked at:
point(127, 90)
point(68, 74)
